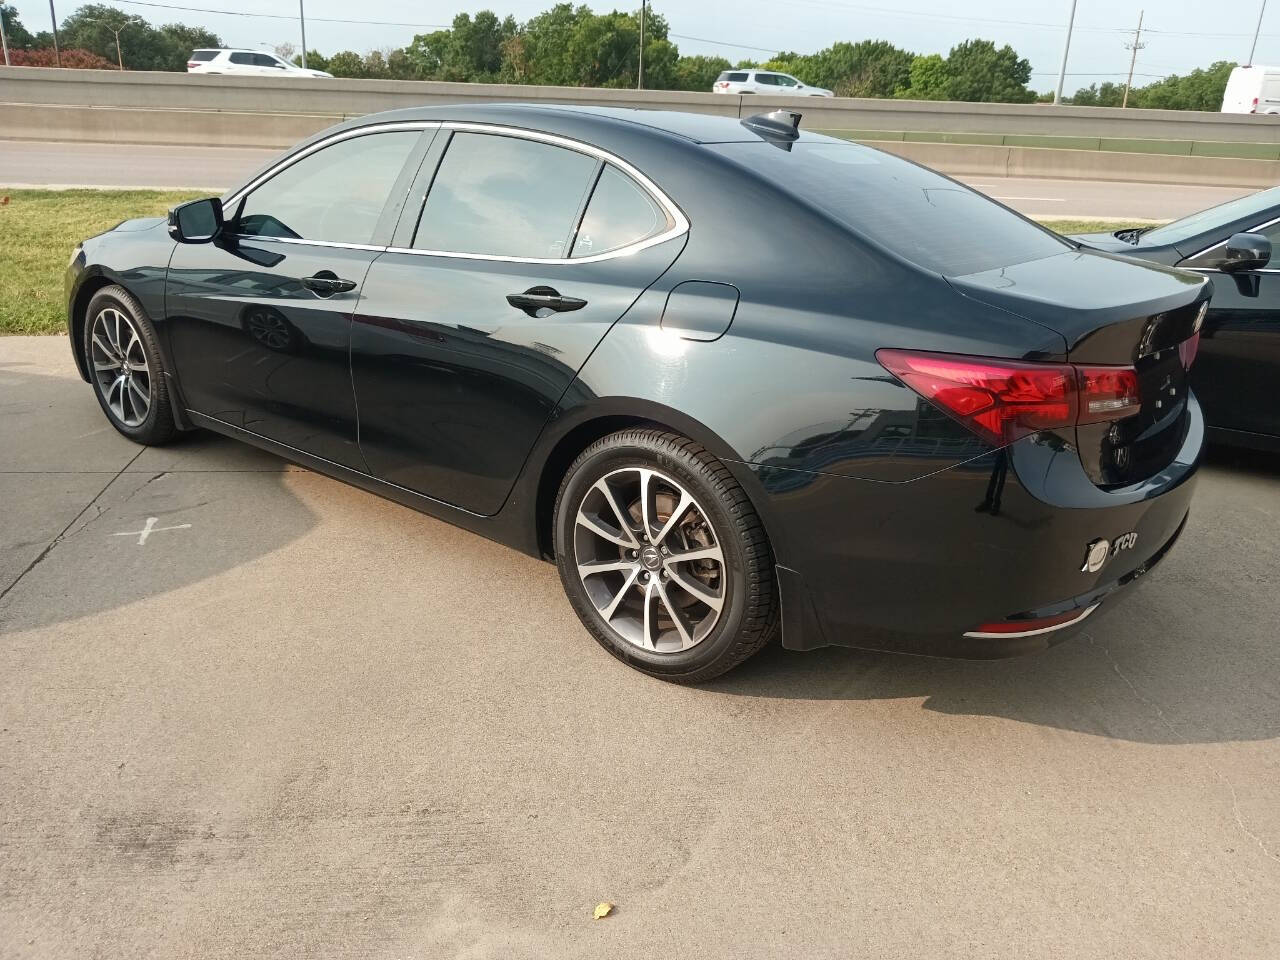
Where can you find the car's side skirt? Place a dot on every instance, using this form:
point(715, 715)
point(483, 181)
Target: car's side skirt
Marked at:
point(504, 527)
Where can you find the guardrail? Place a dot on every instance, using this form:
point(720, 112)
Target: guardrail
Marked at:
point(982, 138)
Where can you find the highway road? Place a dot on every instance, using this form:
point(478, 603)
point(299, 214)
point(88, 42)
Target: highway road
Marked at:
point(27, 163)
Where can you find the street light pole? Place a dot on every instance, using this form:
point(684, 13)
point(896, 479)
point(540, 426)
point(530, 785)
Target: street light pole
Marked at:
point(302, 19)
point(1066, 49)
point(117, 30)
point(640, 73)
point(57, 54)
point(4, 39)
point(1256, 30)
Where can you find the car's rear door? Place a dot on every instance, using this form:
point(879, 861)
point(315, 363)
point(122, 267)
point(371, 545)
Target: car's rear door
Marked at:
point(259, 321)
point(526, 250)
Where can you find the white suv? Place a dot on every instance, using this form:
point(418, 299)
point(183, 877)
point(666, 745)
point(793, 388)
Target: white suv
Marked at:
point(765, 81)
point(247, 63)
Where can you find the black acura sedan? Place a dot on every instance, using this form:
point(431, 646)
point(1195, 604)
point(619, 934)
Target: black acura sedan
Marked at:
point(1238, 364)
point(732, 377)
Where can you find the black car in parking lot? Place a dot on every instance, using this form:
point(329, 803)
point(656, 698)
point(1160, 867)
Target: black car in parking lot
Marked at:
point(1238, 362)
point(732, 377)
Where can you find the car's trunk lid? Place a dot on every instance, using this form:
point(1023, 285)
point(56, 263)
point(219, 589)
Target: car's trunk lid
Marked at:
point(1112, 312)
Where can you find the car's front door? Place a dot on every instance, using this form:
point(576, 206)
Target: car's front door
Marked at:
point(259, 321)
point(526, 250)
point(1238, 364)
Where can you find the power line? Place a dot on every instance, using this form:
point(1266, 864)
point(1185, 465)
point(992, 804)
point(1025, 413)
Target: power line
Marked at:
point(281, 16)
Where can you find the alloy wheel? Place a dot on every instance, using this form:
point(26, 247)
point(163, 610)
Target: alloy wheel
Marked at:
point(650, 560)
point(120, 369)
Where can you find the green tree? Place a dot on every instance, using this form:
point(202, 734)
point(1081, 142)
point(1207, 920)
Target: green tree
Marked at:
point(542, 54)
point(472, 50)
point(869, 68)
point(978, 71)
point(346, 63)
point(1198, 90)
point(142, 46)
point(1099, 95)
point(19, 37)
point(927, 79)
point(698, 73)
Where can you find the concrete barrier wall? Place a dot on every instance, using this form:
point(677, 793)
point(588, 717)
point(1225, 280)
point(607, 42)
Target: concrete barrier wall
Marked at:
point(168, 108)
point(105, 88)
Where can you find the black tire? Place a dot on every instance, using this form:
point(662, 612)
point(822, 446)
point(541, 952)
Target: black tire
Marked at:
point(748, 618)
point(157, 426)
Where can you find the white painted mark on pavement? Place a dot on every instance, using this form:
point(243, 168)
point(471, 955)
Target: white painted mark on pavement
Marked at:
point(148, 529)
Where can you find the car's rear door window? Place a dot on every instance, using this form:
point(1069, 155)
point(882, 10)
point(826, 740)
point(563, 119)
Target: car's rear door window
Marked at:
point(244, 59)
point(203, 55)
point(619, 214)
point(335, 195)
point(920, 215)
point(505, 196)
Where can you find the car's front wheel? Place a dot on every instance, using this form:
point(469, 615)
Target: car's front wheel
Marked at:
point(663, 556)
point(126, 368)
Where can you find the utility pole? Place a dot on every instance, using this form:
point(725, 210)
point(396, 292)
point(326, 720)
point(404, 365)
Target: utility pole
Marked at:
point(57, 54)
point(1256, 30)
point(1066, 49)
point(640, 73)
point(4, 39)
point(302, 19)
point(1135, 47)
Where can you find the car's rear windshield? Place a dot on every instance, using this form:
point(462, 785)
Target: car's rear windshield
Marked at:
point(1259, 205)
point(916, 213)
point(203, 54)
point(735, 77)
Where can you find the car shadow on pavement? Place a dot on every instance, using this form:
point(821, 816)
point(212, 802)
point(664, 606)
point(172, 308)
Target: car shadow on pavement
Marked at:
point(93, 522)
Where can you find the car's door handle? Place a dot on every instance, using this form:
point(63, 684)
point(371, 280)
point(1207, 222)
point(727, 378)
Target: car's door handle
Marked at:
point(544, 298)
point(326, 283)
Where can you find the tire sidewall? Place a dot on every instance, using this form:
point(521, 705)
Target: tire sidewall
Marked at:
point(693, 476)
point(110, 297)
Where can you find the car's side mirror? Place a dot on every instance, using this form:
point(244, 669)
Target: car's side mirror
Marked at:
point(1246, 251)
point(198, 221)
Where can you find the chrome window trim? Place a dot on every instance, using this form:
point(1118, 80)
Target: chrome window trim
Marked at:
point(1223, 243)
point(259, 238)
point(293, 158)
point(680, 223)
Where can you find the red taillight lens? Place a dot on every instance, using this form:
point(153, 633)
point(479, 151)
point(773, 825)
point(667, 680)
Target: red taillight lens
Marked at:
point(1002, 400)
point(1254, 108)
point(1107, 393)
point(998, 399)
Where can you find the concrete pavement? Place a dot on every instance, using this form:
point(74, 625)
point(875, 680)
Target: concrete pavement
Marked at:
point(217, 168)
point(294, 720)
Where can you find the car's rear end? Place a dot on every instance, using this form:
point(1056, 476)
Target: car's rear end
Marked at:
point(200, 60)
point(732, 81)
point(1082, 449)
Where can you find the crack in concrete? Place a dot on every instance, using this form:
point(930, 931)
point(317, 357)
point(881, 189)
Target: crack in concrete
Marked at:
point(1168, 724)
point(63, 533)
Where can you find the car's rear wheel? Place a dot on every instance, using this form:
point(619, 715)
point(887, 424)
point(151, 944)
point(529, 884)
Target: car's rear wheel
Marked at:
point(126, 368)
point(663, 556)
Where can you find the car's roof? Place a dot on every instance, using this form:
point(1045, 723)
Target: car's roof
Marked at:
point(693, 127)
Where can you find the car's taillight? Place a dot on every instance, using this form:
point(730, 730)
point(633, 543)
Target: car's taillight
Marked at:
point(192, 63)
point(1107, 393)
point(1254, 108)
point(1002, 400)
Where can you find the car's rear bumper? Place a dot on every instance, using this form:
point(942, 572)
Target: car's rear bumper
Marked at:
point(929, 566)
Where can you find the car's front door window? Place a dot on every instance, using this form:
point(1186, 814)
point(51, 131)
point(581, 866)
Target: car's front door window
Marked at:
point(335, 195)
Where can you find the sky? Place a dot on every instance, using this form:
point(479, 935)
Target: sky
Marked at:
point(1176, 33)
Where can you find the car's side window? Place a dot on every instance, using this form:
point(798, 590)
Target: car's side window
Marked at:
point(1213, 258)
point(265, 60)
point(504, 196)
point(767, 79)
point(244, 59)
point(619, 213)
point(334, 195)
point(783, 80)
